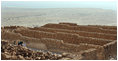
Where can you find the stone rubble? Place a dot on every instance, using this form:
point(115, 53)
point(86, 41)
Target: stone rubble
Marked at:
point(14, 52)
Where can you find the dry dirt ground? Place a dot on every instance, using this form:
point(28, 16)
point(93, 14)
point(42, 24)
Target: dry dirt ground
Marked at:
point(39, 17)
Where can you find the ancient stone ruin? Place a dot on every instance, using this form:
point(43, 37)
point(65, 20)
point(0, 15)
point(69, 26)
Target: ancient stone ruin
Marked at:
point(79, 42)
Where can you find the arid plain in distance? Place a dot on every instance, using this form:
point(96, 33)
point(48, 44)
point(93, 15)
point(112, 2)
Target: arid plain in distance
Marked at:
point(36, 17)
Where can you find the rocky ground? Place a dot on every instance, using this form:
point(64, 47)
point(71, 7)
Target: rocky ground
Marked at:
point(15, 52)
point(61, 41)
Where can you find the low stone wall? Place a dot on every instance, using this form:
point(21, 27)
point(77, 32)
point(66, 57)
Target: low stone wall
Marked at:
point(93, 26)
point(66, 37)
point(86, 55)
point(110, 50)
point(105, 27)
point(80, 28)
point(49, 44)
point(81, 33)
point(10, 36)
point(71, 24)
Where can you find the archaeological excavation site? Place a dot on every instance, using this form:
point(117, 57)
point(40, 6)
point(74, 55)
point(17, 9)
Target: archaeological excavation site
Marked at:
point(62, 41)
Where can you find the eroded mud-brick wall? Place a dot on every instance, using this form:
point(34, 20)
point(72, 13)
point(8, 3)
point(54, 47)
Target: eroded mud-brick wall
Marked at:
point(66, 37)
point(105, 27)
point(51, 44)
point(80, 28)
point(110, 50)
point(81, 33)
point(71, 24)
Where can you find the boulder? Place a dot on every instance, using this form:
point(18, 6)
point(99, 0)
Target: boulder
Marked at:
point(3, 56)
point(14, 57)
point(38, 58)
point(21, 57)
point(64, 54)
point(65, 59)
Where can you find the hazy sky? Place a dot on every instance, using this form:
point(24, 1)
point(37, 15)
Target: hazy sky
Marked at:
point(61, 4)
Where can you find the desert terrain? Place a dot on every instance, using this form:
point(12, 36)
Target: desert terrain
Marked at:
point(59, 34)
point(38, 17)
point(79, 42)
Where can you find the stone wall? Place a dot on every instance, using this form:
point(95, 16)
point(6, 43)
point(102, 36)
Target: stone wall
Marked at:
point(66, 37)
point(110, 50)
point(105, 27)
point(50, 44)
point(81, 33)
point(80, 28)
point(71, 24)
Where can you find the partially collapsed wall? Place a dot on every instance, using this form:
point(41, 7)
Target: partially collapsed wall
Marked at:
point(81, 33)
point(87, 42)
point(80, 28)
point(66, 37)
point(50, 43)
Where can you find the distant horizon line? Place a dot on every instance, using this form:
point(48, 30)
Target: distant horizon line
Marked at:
point(59, 8)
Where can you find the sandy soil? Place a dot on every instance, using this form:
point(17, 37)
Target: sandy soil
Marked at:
point(39, 17)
